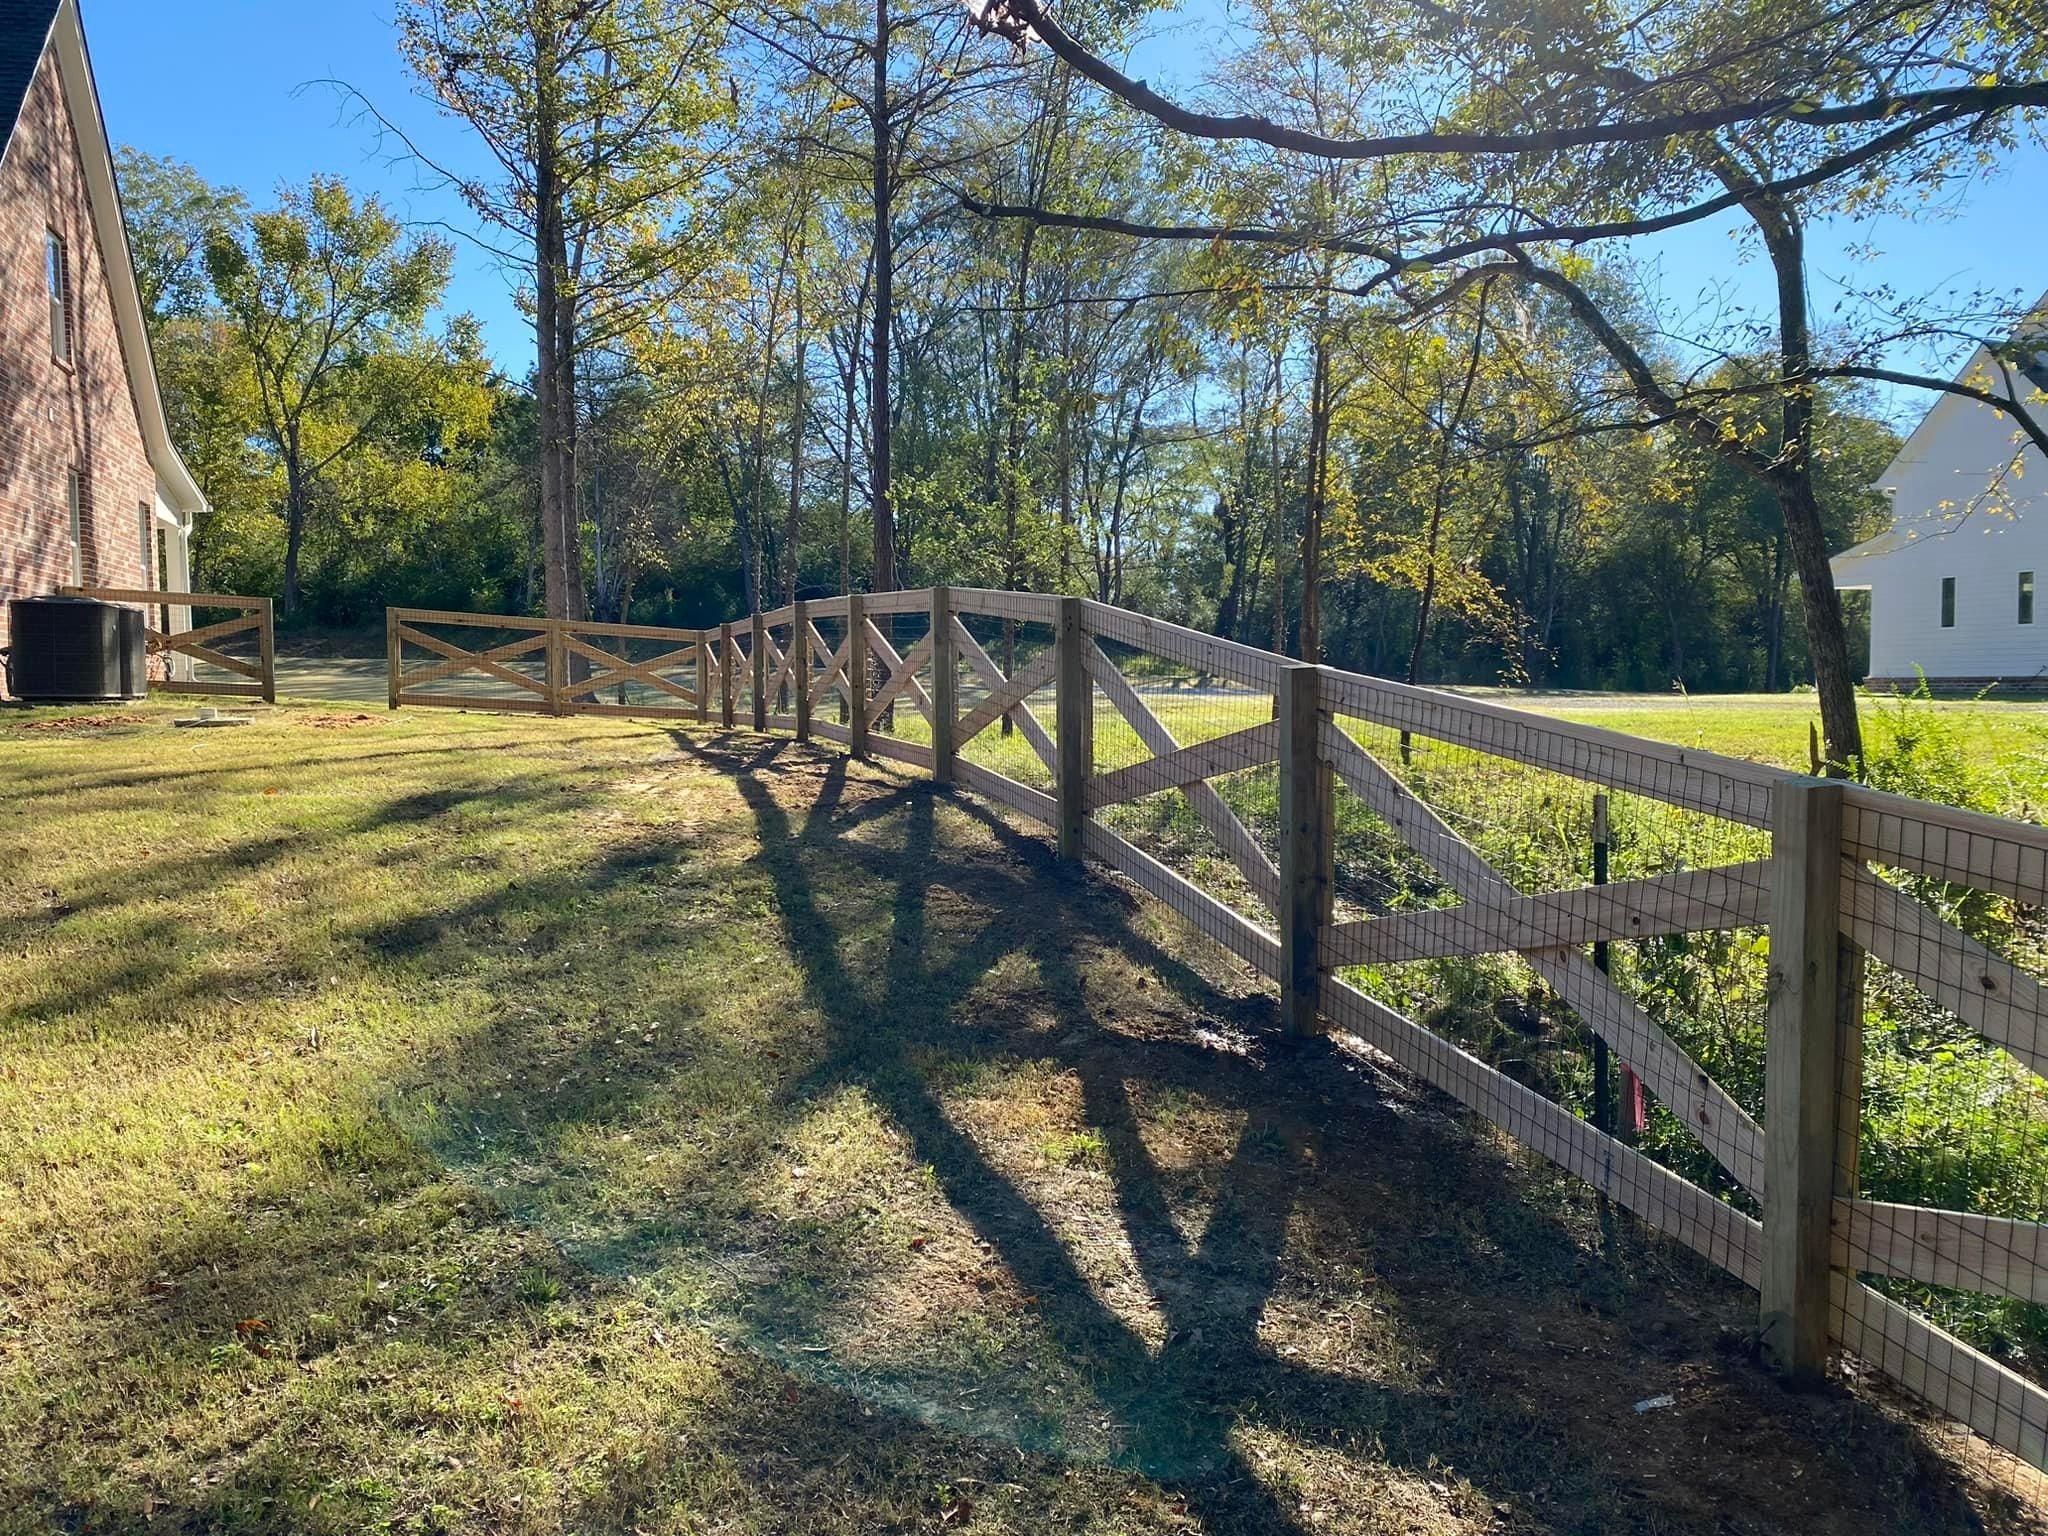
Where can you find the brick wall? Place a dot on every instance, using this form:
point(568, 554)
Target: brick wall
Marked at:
point(56, 417)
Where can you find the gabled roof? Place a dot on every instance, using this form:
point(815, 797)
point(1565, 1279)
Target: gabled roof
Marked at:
point(2025, 354)
point(30, 30)
point(24, 34)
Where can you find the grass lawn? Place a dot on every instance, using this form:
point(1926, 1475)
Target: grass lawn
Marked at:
point(452, 1123)
point(2007, 736)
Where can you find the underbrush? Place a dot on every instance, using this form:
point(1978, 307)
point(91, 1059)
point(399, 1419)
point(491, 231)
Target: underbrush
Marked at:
point(1947, 1119)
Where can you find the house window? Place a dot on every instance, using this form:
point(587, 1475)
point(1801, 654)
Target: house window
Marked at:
point(77, 521)
point(54, 280)
point(1948, 602)
point(2026, 597)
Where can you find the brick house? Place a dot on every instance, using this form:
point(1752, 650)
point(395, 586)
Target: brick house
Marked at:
point(91, 490)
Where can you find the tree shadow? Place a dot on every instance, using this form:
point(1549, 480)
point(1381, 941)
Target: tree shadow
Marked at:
point(1344, 1271)
point(1181, 1408)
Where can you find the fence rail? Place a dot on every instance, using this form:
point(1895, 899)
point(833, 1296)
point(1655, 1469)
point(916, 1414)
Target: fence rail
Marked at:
point(202, 644)
point(1335, 831)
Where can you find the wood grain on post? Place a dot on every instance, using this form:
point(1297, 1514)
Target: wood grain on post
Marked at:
point(557, 669)
point(1074, 716)
point(945, 687)
point(1801, 1075)
point(266, 652)
point(1306, 800)
point(856, 675)
point(392, 661)
point(760, 659)
point(725, 680)
point(800, 666)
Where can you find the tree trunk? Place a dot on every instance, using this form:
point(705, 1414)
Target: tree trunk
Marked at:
point(884, 578)
point(847, 381)
point(796, 442)
point(1064, 432)
point(1279, 519)
point(1774, 620)
point(1446, 450)
point(755, 542)
point(1013, 447)
point(1827, 637)
point(571, 480)
point(1318, 488)
point(550, 255)
point(294, 531)
point(1234, 537)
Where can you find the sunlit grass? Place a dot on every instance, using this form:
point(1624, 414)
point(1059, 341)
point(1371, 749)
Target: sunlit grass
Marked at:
point(440, 1122)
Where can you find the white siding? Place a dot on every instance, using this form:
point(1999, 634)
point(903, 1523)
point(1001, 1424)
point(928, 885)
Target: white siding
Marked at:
point(1959, 511)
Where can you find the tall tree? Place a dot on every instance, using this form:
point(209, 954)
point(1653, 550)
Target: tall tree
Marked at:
point(903, 69)
point(1769, 114)
point(328, 301)
point(601, 118)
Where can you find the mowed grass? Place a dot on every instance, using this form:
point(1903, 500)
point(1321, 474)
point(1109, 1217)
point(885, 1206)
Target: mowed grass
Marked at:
point(453, 1123)
point(2006, 738)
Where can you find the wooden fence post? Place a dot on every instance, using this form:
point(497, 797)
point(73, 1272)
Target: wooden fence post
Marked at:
point(760, 660)
point(393, 667)
point(800, 666)
point(266, 652)
point(725, 674)
point(1074, 717)
point(1801, 1074)
point(857, 675)
point(945, 686)
point(1306, 803)
point(1603, 1097)
point(557, 667)
point(703, 677)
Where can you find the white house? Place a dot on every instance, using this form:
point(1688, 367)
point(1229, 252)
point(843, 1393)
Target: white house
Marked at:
point(1953, 580)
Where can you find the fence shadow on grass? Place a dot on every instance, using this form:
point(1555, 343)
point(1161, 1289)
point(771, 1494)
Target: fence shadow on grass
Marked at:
point(1499, 1354)
point(1473, 1297)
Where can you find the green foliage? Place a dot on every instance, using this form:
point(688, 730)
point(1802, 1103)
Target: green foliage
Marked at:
point(172, 213)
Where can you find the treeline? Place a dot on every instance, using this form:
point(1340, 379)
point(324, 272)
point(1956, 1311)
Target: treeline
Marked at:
point(1244, 436)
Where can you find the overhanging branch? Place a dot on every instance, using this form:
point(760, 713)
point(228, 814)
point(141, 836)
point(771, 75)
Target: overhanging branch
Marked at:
point(1018, 19)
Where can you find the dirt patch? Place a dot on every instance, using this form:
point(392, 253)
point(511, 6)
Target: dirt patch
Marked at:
point(335, 722)
point(66, 724)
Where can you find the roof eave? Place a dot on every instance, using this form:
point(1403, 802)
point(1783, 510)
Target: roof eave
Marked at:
point(81, 92)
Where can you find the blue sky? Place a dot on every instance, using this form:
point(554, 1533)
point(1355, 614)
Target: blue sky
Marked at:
point(231, 86)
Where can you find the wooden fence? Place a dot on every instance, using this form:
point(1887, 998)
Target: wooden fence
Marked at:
point(1350, 827)
point(202, 645)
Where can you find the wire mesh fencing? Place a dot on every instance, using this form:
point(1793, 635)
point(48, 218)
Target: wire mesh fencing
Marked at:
point(624, 669)
point(1941, 1180)
point(828, 668)
point(779, 679)
point(470, 660)
point(1004, 655)
point(1672, 950)
point(201, 642)
point(1184, 772)
point(899, 683)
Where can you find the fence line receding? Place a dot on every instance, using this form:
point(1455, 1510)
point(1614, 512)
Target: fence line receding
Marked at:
point(1830, 996)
